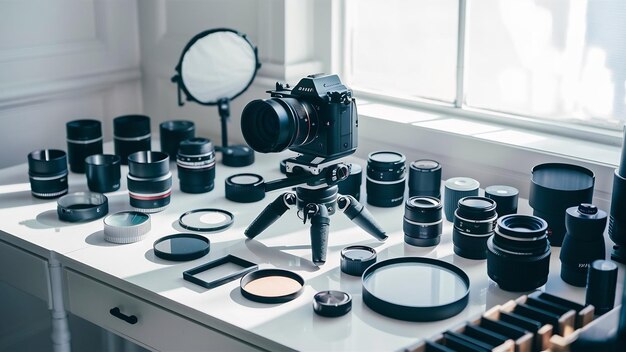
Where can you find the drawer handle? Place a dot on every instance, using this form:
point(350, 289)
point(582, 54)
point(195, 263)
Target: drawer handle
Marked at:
point(130, 319)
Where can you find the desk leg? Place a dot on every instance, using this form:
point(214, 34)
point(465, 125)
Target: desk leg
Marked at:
point(60, 328)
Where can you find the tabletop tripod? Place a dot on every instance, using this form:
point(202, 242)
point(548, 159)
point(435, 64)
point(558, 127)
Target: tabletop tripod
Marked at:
point(316, 198)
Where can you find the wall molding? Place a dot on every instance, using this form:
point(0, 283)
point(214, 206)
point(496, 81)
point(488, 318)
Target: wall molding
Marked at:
point(23, 94)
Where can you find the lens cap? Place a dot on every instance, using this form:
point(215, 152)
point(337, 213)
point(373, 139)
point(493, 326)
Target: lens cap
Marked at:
point(245, 188)
point(181, 247)
point(206, 220)
point(332, 303)
point(237, 156)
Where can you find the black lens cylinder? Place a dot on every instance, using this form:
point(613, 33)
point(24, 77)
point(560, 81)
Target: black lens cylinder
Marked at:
point(131, 133)
point(425, 179)
point(423, 222)
point(474, 222)
point(196, 165)
point(518, 256)
point(617, 220)
point(601, 285)
point(103, 172)
point(47, 172)
point(583, 243)
point(506, 198)
point(386, 178)
point(171, 133)
point(84, 138)
point(352, 184)
point(149, 181)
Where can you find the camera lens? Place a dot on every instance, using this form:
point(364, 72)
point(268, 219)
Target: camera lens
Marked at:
point(131, 133)
point(422, 222)
point(84, 138)
point(583, 242)
point(47, 172)
point(474, 220)
point(172, 133)
point(505, 197)
point(455, 189)
point(518, 256)
point(103, 172)
point(149, 181)
point(425, 179)
point(196, 165)
point(385, 178)
point(275, 124)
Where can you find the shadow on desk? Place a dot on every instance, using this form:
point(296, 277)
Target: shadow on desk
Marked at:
point(45, 220)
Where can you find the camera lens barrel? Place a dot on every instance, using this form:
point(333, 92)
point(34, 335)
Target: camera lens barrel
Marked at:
point(423, 222)
point(518, 256)
point(455, 189)
point(131, 133)
point(172, 133)
point(425, 178)
point(196, 165)
point(103, 172)
point(474, 222)
point(583, 242)
point(149, 181)
point(47, 172)
point(386, 178)
point(506, 198)
point(352, 184)
point(84, 138)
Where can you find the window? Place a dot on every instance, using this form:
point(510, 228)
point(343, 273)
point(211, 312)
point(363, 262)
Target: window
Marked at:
point(559, 60)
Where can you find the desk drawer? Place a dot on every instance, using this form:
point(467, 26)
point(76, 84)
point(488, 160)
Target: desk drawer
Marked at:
point(24, 271)
point(143, 322)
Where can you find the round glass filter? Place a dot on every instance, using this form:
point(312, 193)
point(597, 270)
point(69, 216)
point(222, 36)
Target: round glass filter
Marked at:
point(126, 219)
point(271, 285)
point(181, 247)
point(416, 289)
point(206, 220)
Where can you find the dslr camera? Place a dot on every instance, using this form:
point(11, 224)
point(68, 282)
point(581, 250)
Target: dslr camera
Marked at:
point(316, 118)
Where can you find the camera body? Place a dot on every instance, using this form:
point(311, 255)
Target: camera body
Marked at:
point(317, 117)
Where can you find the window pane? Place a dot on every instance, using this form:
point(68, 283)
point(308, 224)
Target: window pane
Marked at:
point(403, 47)
point(561, 59)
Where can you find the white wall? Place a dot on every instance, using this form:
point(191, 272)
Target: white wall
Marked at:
point(64, 60)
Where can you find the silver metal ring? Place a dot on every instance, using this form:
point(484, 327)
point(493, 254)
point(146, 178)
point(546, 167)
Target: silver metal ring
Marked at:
point(132, 139)
point(84, 142)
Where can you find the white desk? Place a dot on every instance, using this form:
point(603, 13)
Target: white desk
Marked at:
point(177, 315)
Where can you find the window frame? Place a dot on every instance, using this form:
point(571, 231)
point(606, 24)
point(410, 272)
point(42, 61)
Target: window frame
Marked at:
point(458, 108)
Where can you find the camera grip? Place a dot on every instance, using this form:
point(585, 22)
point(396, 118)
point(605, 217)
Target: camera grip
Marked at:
point(320, 226)
point(356, 212)
point(268, 216)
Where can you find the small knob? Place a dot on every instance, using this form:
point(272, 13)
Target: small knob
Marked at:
point(587, 209)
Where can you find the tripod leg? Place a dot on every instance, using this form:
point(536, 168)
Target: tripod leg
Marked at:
point(270, 214)
point(320, 226)
point(356, 212)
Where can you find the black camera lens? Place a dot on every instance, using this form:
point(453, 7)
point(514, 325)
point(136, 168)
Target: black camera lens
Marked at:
point(196, 165)
point(84, 138)
point(422, 223)
point(506, 198)
point(386, 176)
point(103, 172)
point(275, 124)
point(425, 178)
point(518, 256)
point(47, 172)
point(131, 133)
point(171, 133)
point(149, 181)
point(474, 220)
point(583, 242)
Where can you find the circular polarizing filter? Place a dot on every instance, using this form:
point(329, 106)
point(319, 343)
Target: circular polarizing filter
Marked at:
point(126, 227)
point(206, 220)
point(332, 303)
point(181, 247)
point(271, 286)
point(415, 289)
